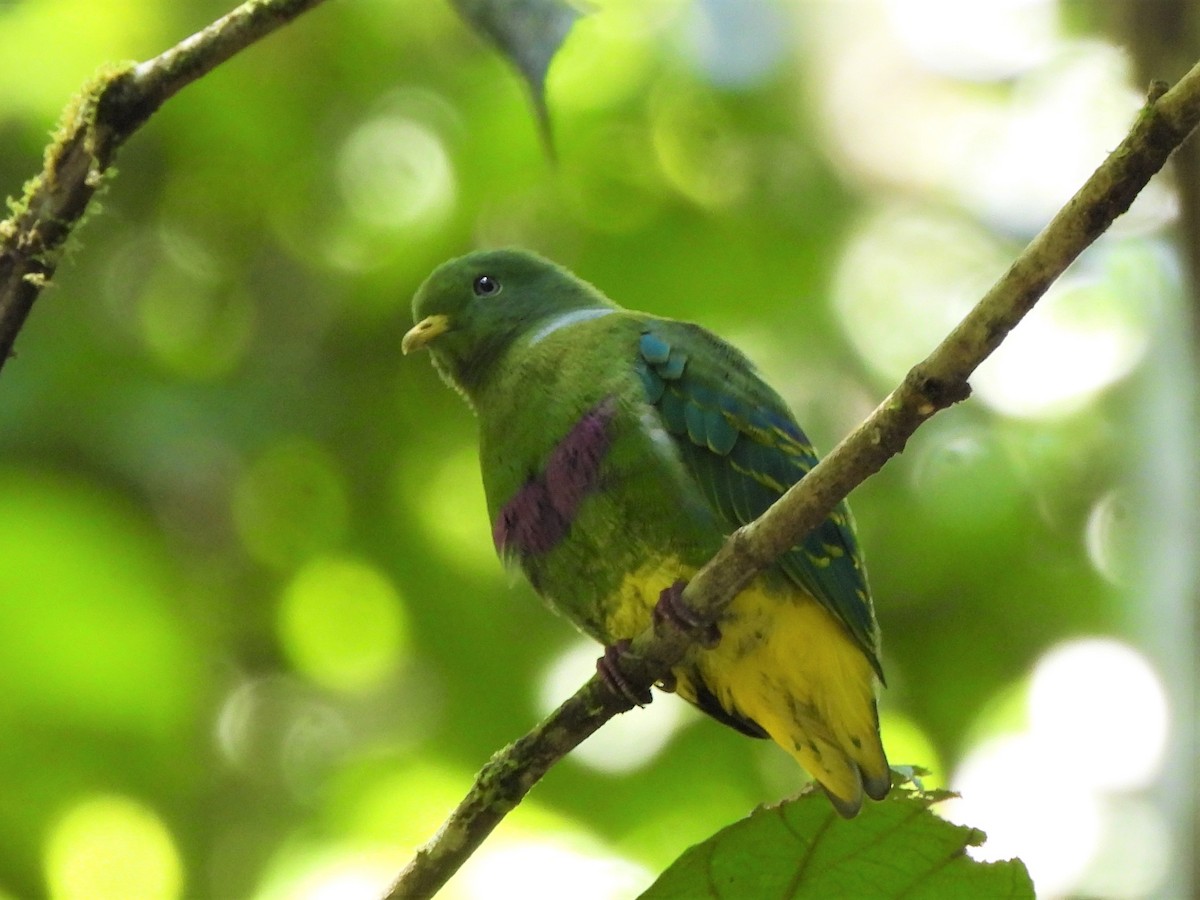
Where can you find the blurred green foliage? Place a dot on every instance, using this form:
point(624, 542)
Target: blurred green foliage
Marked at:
point(252, 633)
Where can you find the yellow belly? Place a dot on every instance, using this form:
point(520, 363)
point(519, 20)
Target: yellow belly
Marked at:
point(787, 664)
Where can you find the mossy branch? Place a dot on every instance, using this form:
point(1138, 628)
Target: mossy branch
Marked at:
point(932, 385)
point(98, 121)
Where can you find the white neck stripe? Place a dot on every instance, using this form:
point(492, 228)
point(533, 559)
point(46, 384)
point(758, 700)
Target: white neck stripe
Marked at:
point(571, 317)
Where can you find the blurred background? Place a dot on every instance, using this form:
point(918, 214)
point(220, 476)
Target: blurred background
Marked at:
point(254, 641)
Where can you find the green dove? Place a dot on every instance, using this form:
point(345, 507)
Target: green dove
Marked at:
point(618, 450)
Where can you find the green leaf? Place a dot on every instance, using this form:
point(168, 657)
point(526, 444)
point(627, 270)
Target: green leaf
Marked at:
point(801, 848)
point(529, 33)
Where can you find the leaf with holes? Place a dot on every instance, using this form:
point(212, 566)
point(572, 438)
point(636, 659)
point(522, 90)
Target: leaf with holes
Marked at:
point(529, 33)
point(800, 848)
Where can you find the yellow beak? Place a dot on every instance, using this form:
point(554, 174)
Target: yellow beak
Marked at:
point(424, 332)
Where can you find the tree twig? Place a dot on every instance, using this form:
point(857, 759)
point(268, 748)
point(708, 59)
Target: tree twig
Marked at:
point(932, 385)
point(98, 121)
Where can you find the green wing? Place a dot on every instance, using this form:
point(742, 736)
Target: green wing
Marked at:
point(744, 449)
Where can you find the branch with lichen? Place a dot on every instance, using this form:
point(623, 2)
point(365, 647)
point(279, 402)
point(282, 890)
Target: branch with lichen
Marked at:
point(115, 104)
point(932, 385)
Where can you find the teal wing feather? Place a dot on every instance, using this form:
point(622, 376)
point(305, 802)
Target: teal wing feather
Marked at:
point(744, 449)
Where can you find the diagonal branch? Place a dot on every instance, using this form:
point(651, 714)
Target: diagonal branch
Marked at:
point(106, 112)
point(932, 385)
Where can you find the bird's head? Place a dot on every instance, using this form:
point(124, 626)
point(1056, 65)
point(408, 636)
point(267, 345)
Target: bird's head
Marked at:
point(470, 310)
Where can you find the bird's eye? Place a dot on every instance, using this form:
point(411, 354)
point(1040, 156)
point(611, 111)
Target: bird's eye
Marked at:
point(486, 286)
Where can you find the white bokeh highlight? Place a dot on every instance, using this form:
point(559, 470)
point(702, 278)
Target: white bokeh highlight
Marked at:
point(1061, 795)
point(1077, 341)
point(626, 742)
point(1027, 811)
point(983, 40)
point(1100, 710)
point(549, 869)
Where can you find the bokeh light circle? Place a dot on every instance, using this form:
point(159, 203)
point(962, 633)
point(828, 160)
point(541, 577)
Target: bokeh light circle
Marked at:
point(290, 503)
point(626, 742)
point(1101, 711)
point(342, 623)
point(110, 847)
point(1026, 810)
point(393, 172)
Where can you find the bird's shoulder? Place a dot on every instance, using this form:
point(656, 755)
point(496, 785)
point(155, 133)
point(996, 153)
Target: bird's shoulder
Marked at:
point(550, 379)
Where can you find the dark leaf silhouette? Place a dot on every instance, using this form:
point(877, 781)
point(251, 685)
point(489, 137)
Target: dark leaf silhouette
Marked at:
point(529, 33)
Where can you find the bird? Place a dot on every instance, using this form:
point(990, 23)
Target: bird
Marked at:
point(618, 450)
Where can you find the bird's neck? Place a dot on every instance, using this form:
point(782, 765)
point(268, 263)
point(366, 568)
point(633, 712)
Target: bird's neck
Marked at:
point(473, 375)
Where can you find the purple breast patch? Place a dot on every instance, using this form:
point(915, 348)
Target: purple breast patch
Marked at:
point(539, 515)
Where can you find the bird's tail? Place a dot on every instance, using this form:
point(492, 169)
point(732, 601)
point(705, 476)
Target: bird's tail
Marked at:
point(785, 664)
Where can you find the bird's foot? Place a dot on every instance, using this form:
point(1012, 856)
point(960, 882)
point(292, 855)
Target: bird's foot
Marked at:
point(671, 608)
point(609, 668)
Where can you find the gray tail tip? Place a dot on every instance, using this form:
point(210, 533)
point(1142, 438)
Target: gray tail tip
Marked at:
point(874, 786)
point(846, 808)
point(877, 786)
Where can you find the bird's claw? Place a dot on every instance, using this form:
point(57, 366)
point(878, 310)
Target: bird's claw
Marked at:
point(671, 608)
point(609, 668)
